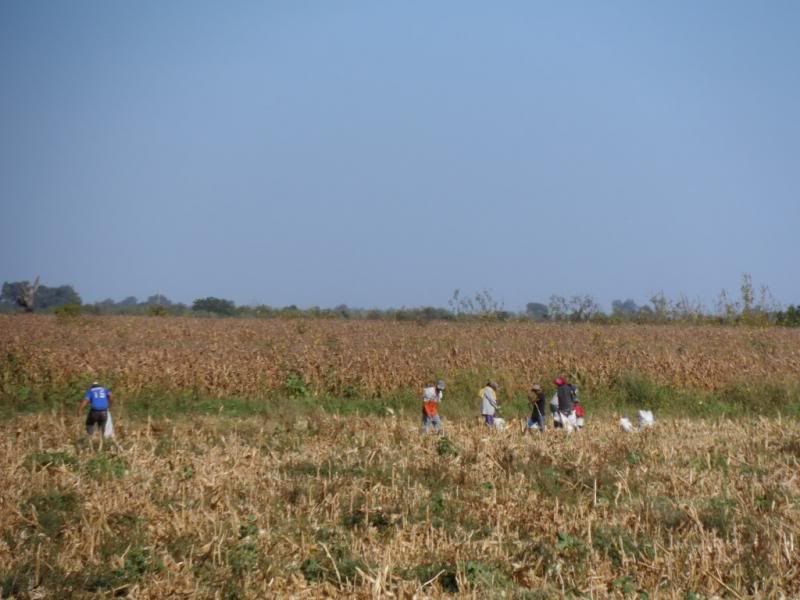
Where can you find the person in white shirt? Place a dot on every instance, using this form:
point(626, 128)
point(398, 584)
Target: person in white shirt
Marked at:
point(431, 397)
point(489, 404)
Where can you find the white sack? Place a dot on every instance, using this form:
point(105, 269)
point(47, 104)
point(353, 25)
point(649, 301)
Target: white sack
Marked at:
point(569, 421)
point(108, 432)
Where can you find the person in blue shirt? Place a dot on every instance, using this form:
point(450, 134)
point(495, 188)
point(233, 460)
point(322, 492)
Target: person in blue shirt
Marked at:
point(98, 399)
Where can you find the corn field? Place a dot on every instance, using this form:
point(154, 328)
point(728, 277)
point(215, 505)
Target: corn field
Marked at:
point(255, 358)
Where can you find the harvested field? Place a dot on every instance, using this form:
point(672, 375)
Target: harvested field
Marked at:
point(367, 507)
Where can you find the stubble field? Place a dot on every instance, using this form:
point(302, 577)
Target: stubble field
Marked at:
point(367, 507)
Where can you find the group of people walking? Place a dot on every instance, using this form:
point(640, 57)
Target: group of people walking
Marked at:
point(565, 408)
point(566, 411)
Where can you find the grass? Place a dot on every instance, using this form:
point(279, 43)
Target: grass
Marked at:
point(624, 396)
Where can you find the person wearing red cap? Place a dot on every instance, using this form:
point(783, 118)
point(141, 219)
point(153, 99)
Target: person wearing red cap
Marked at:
point(566, 403)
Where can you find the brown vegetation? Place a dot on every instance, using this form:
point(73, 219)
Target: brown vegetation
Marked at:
point(334, 506)
point(254, 358)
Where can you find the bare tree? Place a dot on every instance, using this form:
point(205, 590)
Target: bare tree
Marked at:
point(27, 295)
point(558, 307)
point(583, 308)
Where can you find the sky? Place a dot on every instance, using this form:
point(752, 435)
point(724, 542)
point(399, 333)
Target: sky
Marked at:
point(385, 154)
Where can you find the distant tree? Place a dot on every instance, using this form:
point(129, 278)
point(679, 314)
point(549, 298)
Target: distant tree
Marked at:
point(482, 305)
point(218, 306)
point(558, 307)
point(583, 308)
point(687, 310)
point(789, 317)
point(537, 311)
point(37, 297)
point(422, 314)
point(159, 300)
point(129, 301)
point(433, 313)
point(53, 297)
point(456, 302)
point(264, 311)
point(756, 310)
point(245, 311)
point(157, 310)
point(748, 295)
point(314, 311)
point(661, 306)
point(292, 310)
point(104, 306)
point(20, 293)
point(67, 311)
point(624, 310)
point(11, 291)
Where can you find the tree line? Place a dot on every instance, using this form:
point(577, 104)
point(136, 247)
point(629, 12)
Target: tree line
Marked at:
point(751, 306)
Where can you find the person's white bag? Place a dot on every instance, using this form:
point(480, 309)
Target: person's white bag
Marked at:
point(646, 419)
point(626, 425)
point(108, 432)
point(499, 423)
point(569, 421)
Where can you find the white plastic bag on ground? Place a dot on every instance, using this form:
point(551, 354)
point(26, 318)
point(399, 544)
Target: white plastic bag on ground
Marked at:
point(626, 425)
point(646, 419)
point(108, 432)
point(569, 421)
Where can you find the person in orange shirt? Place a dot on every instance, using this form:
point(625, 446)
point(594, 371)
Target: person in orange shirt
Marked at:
point(431, 397)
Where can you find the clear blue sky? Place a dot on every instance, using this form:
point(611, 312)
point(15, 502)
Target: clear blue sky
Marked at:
point(386, 153)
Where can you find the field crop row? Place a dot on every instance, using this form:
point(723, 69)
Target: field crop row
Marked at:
point(262, 358)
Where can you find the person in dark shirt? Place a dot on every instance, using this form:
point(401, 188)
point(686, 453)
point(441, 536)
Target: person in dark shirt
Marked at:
point(566, 403)
point(537, 401)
